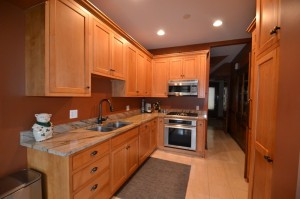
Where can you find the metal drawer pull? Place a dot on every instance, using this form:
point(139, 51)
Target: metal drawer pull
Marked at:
point(268, 158)
point(94, 169)
point(94, 153)
point(94, 187)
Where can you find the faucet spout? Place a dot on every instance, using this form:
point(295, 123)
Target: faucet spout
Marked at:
point(100, 116)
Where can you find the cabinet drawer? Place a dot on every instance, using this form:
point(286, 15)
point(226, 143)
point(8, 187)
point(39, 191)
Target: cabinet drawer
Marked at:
point(90, 171)
point(90, 155)
point(98, 188)
point(123, 137)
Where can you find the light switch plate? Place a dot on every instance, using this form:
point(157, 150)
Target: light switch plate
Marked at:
point(73, 114)
point(127, 108)
point(197, 108)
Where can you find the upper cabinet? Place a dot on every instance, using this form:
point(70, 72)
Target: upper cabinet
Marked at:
point(183, 67)
point(189, 65)
point(56, 44)
point(267, 24)
point(137, 83)
point(108, 51)
point(160, 77)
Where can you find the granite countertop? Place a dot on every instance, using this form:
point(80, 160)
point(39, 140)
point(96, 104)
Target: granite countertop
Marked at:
point(70, 138)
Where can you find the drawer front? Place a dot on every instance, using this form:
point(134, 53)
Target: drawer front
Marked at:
point(98, 188)
point(120, 139)
point(90, 171)
point(90, 155)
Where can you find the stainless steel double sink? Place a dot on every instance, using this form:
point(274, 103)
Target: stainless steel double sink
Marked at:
point(110, 126)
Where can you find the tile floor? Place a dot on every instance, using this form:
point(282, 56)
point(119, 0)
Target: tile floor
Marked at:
point(220, 174)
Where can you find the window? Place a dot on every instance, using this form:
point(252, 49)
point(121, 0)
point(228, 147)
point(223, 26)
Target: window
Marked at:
point(211, 98)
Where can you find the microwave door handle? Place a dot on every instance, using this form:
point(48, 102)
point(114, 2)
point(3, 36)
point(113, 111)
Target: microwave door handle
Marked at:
point(180, 127)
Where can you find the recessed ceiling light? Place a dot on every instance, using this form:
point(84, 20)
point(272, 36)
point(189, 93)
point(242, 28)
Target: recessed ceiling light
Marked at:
point(160, 32)
point(217, 23)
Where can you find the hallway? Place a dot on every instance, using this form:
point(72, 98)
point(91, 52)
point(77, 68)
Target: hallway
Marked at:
point(220, 175)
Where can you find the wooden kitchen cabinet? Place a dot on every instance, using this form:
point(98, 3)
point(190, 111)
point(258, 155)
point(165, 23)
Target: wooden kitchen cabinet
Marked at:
point(108, 51)
point(124, 157)
point(183, 67)
point(137, 83)
point(86, 173)
point(201, 137)
point(56, 61)
point(147, 139)
point(153, 135)
point(267, 19)
point(144, 141)
point(160, 74)
point(203, 75)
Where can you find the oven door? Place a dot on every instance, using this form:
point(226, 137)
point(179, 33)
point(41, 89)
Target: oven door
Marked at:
point(180, 136)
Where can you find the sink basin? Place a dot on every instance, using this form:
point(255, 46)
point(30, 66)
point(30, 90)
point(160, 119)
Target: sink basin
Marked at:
point(110, 126)
point(117, 124)
point(102, 129)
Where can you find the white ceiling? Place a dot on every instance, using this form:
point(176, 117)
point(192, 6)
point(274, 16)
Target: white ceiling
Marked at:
point(142, 18)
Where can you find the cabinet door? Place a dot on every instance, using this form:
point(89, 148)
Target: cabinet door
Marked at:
point(153, 136)
point(160, 73)
point(141, 75)
point(203, 76)
point(101, 48)
point(118, 56)
point(118, 167)
point(267, 14)
point(176, 69)
point(160, 132)
point(144, 142)
point(132, 155)
point(131, 65)
point(264, 123)
point(189, 67)
point(201, 137)
point(68, 68)
point(148, 76)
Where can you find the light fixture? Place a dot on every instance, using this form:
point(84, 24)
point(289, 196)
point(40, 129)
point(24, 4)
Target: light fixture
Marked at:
point(217, 23)
point(160, 32)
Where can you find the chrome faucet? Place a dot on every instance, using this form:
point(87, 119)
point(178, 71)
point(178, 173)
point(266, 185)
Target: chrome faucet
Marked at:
point(100, 117)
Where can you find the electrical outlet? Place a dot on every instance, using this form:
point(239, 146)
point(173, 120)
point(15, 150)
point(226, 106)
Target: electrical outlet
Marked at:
point(197, 108)
point(73, 114)
point(127, 108)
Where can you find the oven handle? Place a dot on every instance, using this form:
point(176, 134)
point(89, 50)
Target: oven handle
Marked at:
point(180, 127)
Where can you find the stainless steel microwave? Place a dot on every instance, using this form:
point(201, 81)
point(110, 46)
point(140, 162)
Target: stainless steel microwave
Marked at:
point(183, 87)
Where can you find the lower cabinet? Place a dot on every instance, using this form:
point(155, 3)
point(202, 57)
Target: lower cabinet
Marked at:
point(147, 139)
point(85, 174)
point(124, 157)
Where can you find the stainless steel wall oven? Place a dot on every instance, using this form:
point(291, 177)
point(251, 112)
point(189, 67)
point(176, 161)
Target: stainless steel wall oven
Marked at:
point(180, 133)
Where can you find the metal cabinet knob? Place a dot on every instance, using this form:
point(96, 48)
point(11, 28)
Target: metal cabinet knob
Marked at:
point(275, 30)
point(94, 187)
point(268, 158)
point(94, 153)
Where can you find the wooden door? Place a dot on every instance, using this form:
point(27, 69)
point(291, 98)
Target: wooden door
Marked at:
point(160, 75)
point(118, 167)
point(176, 69)
point(131, 65)
point(141, 75)
point(132, 155)
point(144, 142)
point(101, 51)
point(189, 67)
point(267, 15)
point(118, 56)
point(264, 118)
point(69, 67)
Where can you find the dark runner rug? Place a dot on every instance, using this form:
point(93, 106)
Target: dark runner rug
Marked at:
point(157, 179)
